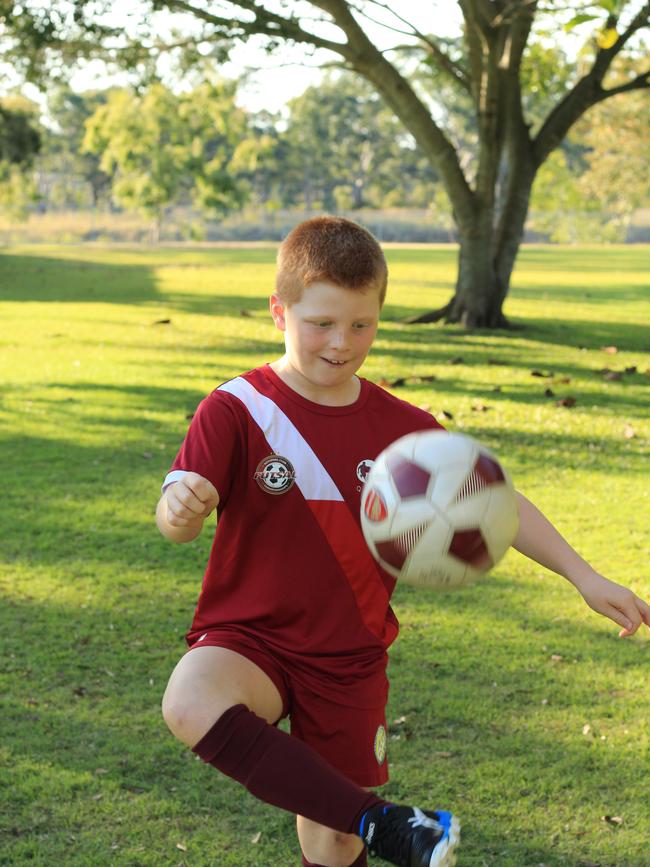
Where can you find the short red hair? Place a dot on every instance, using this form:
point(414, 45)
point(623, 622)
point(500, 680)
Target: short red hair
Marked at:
point(330, 250)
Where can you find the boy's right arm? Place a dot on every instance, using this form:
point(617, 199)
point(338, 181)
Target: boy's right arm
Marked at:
point(184, 506)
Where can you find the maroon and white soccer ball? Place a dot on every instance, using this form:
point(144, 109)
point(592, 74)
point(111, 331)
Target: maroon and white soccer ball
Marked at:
point(438, 509)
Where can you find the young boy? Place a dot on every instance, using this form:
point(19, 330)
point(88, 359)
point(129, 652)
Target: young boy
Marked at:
point(293, 618)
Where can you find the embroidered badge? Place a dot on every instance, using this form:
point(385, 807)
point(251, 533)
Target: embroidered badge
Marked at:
point(363, 468)
point(275, 474)
point(380, 745)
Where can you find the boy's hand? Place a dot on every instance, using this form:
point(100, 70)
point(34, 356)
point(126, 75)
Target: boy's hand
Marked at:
point(616, 602)
point(190, 500)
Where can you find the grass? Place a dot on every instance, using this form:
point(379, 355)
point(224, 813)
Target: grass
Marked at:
point(511, 702)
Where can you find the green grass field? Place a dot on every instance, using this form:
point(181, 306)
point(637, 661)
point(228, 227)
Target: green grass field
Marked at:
point(511, 702)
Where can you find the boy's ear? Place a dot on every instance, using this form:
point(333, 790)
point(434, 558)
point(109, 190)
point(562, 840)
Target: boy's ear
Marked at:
point(277, 308)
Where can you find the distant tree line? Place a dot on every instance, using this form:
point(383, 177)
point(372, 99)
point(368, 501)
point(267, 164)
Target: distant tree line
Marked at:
point(337, 147)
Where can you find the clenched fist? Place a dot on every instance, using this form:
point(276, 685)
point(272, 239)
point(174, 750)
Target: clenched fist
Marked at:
point(184, 506)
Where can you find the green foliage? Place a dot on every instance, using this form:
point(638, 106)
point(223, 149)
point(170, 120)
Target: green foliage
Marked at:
point(160, 147)
point(20, 137)
point(510, 702)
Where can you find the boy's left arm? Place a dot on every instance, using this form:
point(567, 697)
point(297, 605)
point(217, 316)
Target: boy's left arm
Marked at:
point(538, 539)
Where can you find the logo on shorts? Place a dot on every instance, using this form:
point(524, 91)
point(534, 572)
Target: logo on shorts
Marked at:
point(363, 468)
point(380, 745)
point(275, 474)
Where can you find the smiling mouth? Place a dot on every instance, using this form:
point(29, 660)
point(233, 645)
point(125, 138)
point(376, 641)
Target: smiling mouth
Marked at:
point(334, 363)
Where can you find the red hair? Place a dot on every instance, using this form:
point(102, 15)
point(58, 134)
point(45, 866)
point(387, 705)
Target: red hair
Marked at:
point(330, 250)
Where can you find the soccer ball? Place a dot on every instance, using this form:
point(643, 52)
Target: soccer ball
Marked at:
point(438, 509)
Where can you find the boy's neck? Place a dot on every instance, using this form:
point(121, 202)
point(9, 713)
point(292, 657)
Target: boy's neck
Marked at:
point(341, 395)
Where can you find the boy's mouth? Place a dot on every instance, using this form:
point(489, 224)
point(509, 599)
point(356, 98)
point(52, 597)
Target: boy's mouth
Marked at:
point(333, 362)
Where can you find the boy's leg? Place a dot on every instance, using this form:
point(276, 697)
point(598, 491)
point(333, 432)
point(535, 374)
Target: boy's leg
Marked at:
point(280, 769)
point(323, 847)
point(220, 703)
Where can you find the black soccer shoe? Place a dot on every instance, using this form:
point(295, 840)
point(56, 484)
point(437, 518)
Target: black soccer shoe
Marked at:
point(410, 837)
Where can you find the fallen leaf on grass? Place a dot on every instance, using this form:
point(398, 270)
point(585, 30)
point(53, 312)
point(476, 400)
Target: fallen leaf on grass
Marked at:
point(549, 392)
point(632, 369)
point(445, 415)
point(163, 322)
point(540, 374)
point(182, 847)
point(566, 401)
point(480, 407)
point(629, 432)
point(612, 820)
point(610, 350)
point(613, 376)
point(246, 313)
point(256, 838)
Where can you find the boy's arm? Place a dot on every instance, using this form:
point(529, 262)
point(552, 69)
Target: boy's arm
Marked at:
point(184, 506)
point(538, 539)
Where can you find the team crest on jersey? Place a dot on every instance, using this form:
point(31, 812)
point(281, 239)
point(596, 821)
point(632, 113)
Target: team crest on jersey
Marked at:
point(363, 468)
point(275, 474)
point(380, 745)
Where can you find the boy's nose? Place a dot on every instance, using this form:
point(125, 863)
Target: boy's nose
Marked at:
point(338, 338)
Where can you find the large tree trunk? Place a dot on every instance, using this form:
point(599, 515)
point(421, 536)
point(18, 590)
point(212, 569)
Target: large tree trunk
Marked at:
point(480, 292)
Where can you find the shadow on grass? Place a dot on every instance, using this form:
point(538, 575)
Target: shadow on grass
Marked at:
point(87, 686)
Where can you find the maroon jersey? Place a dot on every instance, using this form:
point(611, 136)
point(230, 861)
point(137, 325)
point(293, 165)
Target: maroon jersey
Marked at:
point(289, 565)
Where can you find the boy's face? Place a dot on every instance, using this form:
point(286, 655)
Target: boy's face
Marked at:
point(327, 336)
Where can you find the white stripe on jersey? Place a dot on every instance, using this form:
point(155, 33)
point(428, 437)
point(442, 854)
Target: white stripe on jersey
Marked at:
point(285, 439)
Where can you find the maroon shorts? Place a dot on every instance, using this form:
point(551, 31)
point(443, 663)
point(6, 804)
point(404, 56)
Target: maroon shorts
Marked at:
point(351, 739)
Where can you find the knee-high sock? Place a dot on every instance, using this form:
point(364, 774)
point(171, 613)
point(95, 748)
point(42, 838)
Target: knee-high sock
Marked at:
point(283, 771)
point(361, 861)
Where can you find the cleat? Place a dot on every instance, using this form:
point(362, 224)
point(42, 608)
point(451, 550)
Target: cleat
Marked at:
point(410, 837)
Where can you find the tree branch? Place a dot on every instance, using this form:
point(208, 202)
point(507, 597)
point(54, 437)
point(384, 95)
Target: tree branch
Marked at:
point(367, 60)
point(446, 63)
point(588, 91)
point(265, 23)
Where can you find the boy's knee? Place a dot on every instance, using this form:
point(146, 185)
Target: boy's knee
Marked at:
point(188, 720)
point(322, 845)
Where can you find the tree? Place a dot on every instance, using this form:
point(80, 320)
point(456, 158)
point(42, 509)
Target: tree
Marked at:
point(159, 147)
point(63, 153)
point(490, 195)
point(345, 149)
point(20, 141)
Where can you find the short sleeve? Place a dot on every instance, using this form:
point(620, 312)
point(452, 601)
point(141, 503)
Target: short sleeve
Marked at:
point(212, 445)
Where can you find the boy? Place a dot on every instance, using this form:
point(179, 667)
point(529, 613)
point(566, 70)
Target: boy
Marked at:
point(293, 616)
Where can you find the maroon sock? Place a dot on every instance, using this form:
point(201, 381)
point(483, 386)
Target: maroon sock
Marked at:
point(283, 771)
point(361, 861)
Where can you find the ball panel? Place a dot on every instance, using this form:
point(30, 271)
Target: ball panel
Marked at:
point(469, 547)
point(409, 479)
point(488, 469)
